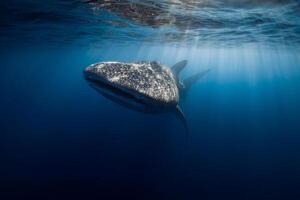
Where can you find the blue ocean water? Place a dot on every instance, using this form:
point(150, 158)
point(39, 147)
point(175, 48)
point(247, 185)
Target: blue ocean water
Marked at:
point(60, 139)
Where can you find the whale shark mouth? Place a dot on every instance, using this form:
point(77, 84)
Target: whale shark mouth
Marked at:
point(118, 95)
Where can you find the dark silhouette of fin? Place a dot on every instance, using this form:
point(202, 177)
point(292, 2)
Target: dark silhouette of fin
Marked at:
point(192, 79)
point(176, 69)
point(180, 115)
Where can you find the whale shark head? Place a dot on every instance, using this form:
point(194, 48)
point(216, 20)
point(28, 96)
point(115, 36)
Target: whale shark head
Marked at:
point(92, 73)
point(149, 82)
point(106, 79)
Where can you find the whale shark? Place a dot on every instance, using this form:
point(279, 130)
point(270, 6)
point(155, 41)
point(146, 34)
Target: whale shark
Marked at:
point(145, 86)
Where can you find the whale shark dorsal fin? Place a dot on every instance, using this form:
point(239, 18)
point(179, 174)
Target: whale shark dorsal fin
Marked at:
point(180, 115)
point(176, 69)
point(192, 79)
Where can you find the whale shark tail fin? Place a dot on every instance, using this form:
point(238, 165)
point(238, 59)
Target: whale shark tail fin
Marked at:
point(187, 83)
point(176, 69)
point(180, 115)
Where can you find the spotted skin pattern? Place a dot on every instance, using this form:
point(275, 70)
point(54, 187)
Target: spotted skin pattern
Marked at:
point(150, 80)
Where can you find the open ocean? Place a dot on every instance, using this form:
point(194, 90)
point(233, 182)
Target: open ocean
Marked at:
point(60, 139)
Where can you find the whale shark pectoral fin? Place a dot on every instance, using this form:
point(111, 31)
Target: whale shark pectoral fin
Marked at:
point(176, 69)
point(180, 115)
point(192, 79)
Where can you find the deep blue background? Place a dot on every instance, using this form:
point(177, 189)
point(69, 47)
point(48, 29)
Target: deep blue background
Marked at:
point(60, 139)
